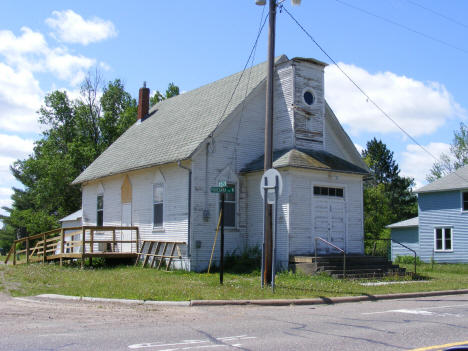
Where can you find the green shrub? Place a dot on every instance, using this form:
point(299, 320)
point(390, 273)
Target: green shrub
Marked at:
point(408, 259)
point(248, 261)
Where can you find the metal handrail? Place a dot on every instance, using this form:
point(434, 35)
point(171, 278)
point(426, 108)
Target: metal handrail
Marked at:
point(336, 247)
point(406, 247)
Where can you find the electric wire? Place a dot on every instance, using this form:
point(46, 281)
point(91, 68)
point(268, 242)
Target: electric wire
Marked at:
point(402, 26)
point(362, 91)
point(240, 78)
point(260, 28)
point(439, 14)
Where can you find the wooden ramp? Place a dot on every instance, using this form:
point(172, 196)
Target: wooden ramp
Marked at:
point(157, 252)
point(77, 243)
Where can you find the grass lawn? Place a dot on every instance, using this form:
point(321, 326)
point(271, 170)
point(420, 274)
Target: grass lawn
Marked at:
point(151, 284)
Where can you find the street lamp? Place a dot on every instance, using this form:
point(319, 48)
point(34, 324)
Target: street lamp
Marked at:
point(263, 2)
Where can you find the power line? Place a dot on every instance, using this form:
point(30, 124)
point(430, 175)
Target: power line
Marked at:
point(260, 28)
point(402, 26)
point(438, 14)
point(362, 91)
point(243, 71)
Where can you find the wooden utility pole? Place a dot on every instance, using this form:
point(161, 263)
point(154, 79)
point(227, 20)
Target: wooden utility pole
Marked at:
point(269, 138)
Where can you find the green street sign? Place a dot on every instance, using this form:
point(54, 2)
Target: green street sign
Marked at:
point(222, 184)
point(221, 189)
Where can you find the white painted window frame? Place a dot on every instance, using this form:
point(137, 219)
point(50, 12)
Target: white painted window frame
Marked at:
point(227, 175)
point(443, 227)
point(461, 201)
point(159, 180)
point(100, 193)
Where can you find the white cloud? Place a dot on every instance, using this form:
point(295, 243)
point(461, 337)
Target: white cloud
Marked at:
point(72, 28)
point(417, 163)
point(13, 146)
point(359, 148)
point(5, 174)
point(419, 108)
point(20, 98)
point(20, 93)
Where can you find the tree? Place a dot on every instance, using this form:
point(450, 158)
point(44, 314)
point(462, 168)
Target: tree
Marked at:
point(388, 197)
point(457, 157)
point(172, 90)
point(76, 133)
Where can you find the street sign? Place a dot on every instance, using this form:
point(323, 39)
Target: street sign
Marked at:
point(221, 189)
point(270, 175)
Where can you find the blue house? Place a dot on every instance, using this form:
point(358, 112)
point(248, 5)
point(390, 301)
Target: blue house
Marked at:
point(441, 228)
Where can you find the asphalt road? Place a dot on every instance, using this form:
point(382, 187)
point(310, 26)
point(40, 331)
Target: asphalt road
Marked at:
point(406, 324)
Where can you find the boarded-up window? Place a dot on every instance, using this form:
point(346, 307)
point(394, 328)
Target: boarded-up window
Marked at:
point(126, 191)
point(158, 205)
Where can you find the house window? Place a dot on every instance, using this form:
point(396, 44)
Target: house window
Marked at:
point(327, 191)
point(158, 205)
point(100, 211)
point(443, 239)
point(230, 212)
point(465, 201)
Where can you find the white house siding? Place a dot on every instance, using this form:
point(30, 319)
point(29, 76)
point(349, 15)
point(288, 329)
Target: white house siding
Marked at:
point(442, 209)
point(283, 114)
point(333, 144)
point(309, 130)
point(175, 202)
point(255, 216)
point(301, 237)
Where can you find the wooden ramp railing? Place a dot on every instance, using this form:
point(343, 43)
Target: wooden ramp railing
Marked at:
point(77, 242)
point(159, 253)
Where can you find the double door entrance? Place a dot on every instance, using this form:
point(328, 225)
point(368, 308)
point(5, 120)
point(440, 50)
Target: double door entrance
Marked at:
point(329, 224)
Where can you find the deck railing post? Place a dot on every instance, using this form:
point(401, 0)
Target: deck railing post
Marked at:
point(14, 253)
point(27, 250)
point(83, 246)
point(62, 246)
point(44, 248)
point(113, 239)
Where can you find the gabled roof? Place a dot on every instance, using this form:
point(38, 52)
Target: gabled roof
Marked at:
point(176, 127)
point(319, 160)
point(454, 181)
point(73, 217)
point(412, 222)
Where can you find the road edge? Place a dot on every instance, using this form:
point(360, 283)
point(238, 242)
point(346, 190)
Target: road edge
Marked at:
point(272, 302)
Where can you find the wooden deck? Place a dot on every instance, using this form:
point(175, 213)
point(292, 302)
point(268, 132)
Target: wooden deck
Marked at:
point(78, 243)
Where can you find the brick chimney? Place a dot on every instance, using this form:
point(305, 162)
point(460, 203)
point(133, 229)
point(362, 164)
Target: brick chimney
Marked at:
point(143, 102)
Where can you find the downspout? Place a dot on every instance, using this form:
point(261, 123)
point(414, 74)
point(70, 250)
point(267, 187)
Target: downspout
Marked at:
point(189, 207)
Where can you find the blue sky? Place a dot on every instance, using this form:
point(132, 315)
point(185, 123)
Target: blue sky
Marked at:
point(417, 79)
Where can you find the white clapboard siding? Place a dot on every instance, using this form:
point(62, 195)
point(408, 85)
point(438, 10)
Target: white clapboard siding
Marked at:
point(302, 209)
point(309, 130)
point(255, 216)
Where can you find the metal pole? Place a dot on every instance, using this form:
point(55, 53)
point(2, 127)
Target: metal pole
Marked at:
point(265, 217)
point(273, 268)
point(221, 260)
point(269, 133)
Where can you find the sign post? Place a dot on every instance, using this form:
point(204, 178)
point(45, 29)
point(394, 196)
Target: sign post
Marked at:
point(270, 194)
point(222, 188)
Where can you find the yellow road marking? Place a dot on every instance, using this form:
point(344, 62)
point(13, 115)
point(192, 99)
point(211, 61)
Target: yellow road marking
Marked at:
point(439, 347)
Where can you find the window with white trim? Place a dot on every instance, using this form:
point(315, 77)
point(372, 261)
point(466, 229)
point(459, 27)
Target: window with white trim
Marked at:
point(465, 201)
point(443, 240)
point(328, 191)
point(100, 210)
point(230, 211)
point(158, 205)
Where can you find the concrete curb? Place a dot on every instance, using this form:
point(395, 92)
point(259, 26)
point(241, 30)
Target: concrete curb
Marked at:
point(276, 302)
point(327, 300)
point(121, 301)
